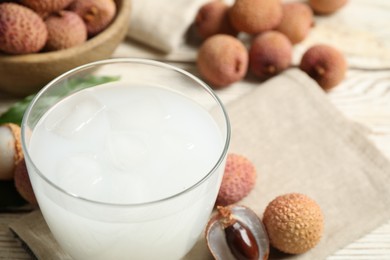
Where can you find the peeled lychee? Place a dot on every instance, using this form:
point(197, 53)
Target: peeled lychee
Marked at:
point(23, 183)
point(255, 16)
point(238, 180)
point(326, 6)
point(296, 21)
point(294, 223)
point(212, 18)
point(325, 64)
point(11, 152)
point(269, 54)
point(22, 31)
point(97, 14)
point(222, 60)
point(46, 6)
point(66, 29)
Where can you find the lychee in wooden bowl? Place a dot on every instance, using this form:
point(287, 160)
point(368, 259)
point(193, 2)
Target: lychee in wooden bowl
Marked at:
point(21, 75)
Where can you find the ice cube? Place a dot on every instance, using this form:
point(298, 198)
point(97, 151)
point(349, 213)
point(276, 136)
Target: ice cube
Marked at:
point(128, 151)
point(79, 174)
point(75, 116)
point(138, 113)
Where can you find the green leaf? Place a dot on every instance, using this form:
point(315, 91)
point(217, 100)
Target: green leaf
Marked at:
point(15, 113)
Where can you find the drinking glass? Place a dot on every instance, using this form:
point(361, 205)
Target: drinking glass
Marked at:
point(157, 211)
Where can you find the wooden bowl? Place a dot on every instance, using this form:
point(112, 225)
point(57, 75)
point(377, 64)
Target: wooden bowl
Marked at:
point(21, 75)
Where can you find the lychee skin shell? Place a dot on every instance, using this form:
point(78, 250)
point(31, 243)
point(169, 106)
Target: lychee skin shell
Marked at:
point(325, 64)
point(270, 53)
point(255, 16)
point(66, 29)
point(212, 18)
point(222, 60)
point(97, 14)
point(238, 180)
point(22, 31)
point(296, 21)
point(46, 6)
point(294, 223)
point(23, 183)
point(325, 7)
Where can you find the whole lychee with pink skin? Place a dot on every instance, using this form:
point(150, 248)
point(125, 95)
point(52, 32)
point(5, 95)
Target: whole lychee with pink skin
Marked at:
point(97, 14)
point(46, 6)
point(238, 180)
point(23, 183)
point(22, 31)
point(270, 53)
point(255, 16)
point(222, 60)
point(212, 18)
point(296, 22)
point(66, 29)
point(325, 64)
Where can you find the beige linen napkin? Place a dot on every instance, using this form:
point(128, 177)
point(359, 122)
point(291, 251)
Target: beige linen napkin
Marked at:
point(299, 142)
point(162, 23)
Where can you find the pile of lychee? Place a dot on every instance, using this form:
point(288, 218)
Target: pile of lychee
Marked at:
point(293, 222)
point(273, 28)
point(31, 26)
point(12, 163)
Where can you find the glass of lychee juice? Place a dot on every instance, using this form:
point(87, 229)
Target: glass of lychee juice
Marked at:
point(129, 167)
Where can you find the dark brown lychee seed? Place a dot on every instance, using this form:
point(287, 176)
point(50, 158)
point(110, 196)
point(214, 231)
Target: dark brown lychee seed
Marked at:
point(66, 29)
point(325, 64)
point(222, 60)
point(46, 6)
point(326, 6)
point(296, 22)
point(255, 16)
point(97, 14)
point(212, 18)
point(269, 54)
point(22, 31)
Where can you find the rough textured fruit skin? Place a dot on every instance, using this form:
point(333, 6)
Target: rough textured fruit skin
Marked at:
point(325, 64)
point(23, 184)
point(294, 223)
point(238, 180)
point(22, 31)
point(296, 21)
point(326, 6)
point(46, 6)
point(212, 18)
point(222, 60)
point(269, 54)
point(15, 145)
point(97, 14)
point(65, 29)
point(255, 16)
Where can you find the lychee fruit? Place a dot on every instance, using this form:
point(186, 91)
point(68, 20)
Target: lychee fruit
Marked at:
point(97, 14)
point(222, 60)
point(269, 54)
point(325, 64)
point(238, 180)
point(255, 16)
point(22, 31)
point(212, 18)
point(66, 29)
point(296, 21)
point(11, 152)
point(294, 223)
point(23, 183)
point(326, 7)
point(46, 6)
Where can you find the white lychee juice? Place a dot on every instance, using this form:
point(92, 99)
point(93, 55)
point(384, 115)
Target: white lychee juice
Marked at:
point(125, 171)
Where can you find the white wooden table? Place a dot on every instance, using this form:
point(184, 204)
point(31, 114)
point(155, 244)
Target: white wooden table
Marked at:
point(362, 32)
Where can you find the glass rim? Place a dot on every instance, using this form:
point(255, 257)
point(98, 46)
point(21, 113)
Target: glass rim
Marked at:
point(150, 62)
